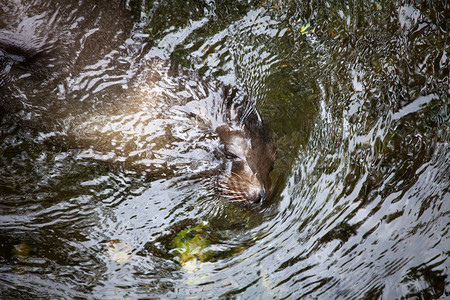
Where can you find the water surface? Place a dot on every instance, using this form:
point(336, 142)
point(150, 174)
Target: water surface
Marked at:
point(356, 96)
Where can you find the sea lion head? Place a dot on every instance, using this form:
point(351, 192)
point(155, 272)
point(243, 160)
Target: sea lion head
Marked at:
point(249, 154)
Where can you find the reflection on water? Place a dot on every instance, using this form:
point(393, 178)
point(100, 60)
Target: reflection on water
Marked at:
point(358, 104)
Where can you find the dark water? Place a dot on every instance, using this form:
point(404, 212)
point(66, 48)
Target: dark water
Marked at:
point(357, 97)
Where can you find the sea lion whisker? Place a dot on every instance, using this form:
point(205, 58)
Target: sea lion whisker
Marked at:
point(225, 178)
point(240, 177)
point(230, 191)
point(236, 174)
point(233, 198)
point(232, 186)
point(241, 199)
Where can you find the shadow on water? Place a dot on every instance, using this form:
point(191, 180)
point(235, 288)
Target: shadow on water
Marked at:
point(356, 96)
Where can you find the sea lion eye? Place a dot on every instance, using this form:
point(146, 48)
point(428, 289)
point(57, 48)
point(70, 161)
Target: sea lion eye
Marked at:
point(228, 153)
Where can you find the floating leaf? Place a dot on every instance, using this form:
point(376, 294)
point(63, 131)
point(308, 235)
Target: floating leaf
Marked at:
point(119, 251)
point(191, 246)
point(378, 5)
point(304, 27)
point(22, 250)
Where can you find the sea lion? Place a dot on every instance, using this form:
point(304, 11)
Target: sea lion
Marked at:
point(167, 120)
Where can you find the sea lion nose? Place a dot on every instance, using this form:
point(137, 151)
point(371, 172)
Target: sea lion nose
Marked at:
point(261, 196)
